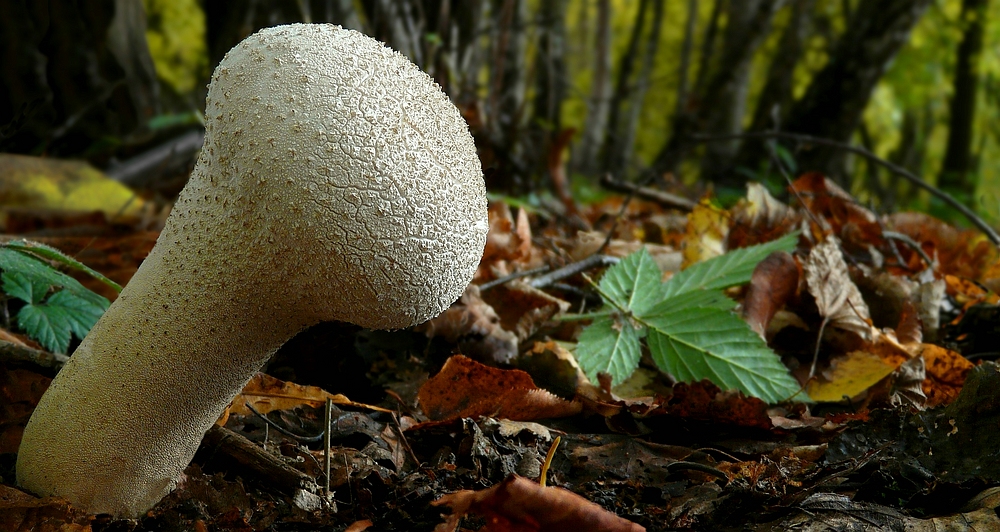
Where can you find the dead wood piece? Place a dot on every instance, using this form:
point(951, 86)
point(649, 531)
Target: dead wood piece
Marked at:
point(13, 353)
point(253, 460)
point(664, 198)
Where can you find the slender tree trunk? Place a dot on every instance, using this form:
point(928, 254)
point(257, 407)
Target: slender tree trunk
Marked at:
point(722, 101)
point(74, 74)
point(726, 98)
point(687, 47)
point(837, 96)
point(629, 130)
point(957, 174)
point(622, 94)
point(550, 65)
point(598, 105)
point(776, 96)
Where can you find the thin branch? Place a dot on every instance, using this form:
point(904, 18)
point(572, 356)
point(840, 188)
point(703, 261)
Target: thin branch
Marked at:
point(664, 198)
point(572, 269)
point(892, 167)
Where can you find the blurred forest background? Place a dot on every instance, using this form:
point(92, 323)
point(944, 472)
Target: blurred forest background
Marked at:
point(685, 95)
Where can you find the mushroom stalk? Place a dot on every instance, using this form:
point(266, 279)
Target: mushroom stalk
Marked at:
point(337, 182)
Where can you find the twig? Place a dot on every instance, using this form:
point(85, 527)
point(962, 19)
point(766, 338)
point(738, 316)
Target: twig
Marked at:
point(327, 414)
point(256, 460)
point(892, 167)
point(286, 432)
point(514, 276)
point(572, 269)
point(11, 352)
point(893, 235)
point(664, 198)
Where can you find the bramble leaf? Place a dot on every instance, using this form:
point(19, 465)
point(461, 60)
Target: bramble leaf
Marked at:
point(611, 345)
point(727, 270)
point(702, 339)
point(633, 283)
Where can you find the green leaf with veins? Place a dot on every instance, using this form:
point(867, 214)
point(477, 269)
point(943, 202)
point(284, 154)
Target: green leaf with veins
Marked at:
point(688, 323)
point(52, 320)
point(733, 268)
point(701, 338)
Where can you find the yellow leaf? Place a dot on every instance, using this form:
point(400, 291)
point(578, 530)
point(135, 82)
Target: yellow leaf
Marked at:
point(706, 232)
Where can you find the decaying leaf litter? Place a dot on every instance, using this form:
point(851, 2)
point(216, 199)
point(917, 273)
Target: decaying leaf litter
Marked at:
point(878, 320)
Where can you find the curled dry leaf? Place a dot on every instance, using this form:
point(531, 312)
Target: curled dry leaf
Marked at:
point(837, 211)
point(518, 504)
point(855, 372)
point(523, 308)
point(268, 394)
point(837, 297)
point(946, 372)
point(466, 388)
point(760, 218)
point(965, 253)
point(475, 327)
point(774, 281)
point(508, 244)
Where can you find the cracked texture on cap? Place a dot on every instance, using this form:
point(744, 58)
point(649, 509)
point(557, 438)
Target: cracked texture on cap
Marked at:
point(337, 182)
point(376, 164)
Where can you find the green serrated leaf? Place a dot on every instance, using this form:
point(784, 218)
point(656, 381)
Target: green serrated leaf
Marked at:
point(48, 325)
point(80, 314)
point(610, 345)
point(633, 283)
point(53, 254)
point(733, 268)
point(39, 271)
point(16, 284)
point(700, 339)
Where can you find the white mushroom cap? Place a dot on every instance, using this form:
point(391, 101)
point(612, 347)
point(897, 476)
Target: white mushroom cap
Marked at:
point(337, 182)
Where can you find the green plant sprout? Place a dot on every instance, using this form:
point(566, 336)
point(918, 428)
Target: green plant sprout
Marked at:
point(688, 323)
point(56, 306)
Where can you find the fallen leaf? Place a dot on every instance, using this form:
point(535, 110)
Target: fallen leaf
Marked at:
point(466, 388)
point(837, 297)
point(946, 372)
point(268, 394)
point(518, 504)
point(706, 233)
point(475, 327)
point(774, 281)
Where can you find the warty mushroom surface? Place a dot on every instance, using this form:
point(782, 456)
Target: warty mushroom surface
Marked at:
point(337, 182)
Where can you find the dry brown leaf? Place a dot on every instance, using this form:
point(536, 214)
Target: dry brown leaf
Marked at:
point(774, 281)
point(520, 505)
point(760, 218)
point(20, 511)
point(268, 394)
point(946, 372)
point(522, 308)
point(466, 388)
point(475, 327)
point(837, 297)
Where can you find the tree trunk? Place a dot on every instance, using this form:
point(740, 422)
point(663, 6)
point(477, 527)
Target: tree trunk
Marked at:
point(837, 96)
point(626, 64)
point(776, 97)
point(598, 105)
point(957, 172)
point(720, 94)
point(631, 125)
point(74, 75)
point(725, 99)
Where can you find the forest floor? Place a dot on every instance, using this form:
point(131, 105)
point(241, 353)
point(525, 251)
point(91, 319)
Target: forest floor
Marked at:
point(453, 423)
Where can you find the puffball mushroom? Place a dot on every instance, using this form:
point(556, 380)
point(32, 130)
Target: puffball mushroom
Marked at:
point(337, 182)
